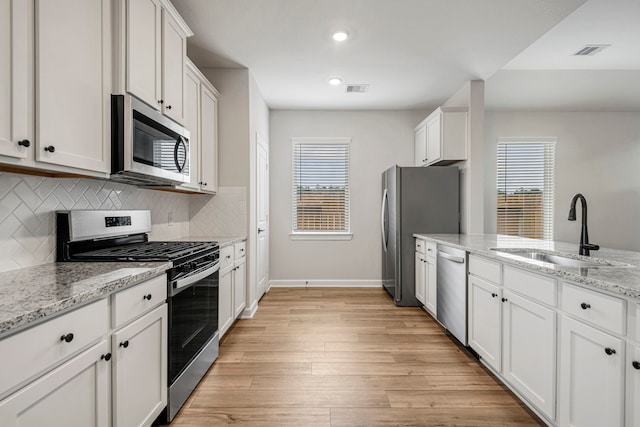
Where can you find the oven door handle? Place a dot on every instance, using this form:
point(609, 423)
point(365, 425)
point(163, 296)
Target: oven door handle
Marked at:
point(189, 280)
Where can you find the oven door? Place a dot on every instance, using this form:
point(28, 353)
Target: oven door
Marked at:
point(193, 319)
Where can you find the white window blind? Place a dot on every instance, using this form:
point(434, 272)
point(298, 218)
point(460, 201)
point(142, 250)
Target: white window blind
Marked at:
point(321, 185)
point(525, 180)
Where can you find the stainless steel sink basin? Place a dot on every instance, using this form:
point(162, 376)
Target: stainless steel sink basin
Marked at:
point(564, 260)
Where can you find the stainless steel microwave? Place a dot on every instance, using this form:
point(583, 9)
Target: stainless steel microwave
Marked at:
point(147, 148)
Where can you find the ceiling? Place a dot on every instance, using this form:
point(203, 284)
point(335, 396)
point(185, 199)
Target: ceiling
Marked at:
point(414, 54)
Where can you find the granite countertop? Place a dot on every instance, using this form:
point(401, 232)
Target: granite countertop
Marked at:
point(222, 240)
point(623, 279)
point(30, 294)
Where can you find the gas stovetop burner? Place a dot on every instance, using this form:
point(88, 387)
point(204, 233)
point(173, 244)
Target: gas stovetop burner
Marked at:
point(149, 251)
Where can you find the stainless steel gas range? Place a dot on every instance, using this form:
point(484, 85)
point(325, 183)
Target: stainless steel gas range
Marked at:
point(192, 285)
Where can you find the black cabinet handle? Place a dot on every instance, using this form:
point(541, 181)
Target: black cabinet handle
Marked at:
point(168, 107)
point(504, 300)
point(585, 306)
point(609, 351)
point(635, 364)
point(50, 148)
point(147, 297)
point(106, 357)
point(493, 295)
point(124, 344)
point(160, 101)
point(205, 183)
point(24, 143)
point(67, 338)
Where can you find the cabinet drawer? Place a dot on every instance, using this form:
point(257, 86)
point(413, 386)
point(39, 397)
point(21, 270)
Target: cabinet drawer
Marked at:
point(421, 246)
point(482, 267)
point(239, 249)
point(132, 302)
point(226, 256)
point(599, 309)
point(432, 250)
point(535, 286)
point(28, 353)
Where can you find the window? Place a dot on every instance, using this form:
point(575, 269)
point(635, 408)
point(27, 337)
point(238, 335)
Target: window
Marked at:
point(321, 187)
point(525, 182)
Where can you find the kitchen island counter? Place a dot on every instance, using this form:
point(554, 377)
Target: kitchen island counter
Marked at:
point(33, 294)
point(623, 280)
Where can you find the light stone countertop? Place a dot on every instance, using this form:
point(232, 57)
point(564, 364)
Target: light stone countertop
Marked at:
point(222, 240)
point(623, 280)
point(31, 294)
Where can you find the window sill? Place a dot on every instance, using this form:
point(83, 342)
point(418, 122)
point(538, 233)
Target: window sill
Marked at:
point(321, 236)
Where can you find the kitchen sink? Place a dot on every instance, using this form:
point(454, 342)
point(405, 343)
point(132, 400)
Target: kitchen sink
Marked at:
point(560, 259)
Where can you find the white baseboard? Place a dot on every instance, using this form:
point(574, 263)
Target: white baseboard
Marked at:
point(248, 313)
point(325, 284)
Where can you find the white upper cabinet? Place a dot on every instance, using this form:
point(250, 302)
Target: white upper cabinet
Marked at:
point(73, 83)
point(16, 79)
point(441, 138)
point(55, 85)
point(152, 52)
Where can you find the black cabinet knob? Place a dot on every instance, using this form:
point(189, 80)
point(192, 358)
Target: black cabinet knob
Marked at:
point(67, 337)
point(124, 344)
point(168, 107)
point(200, 183)
point(160, 101)
point(635, 364)
point(585, 306)
point(205, 183)
point(50, 148)
point(106, 357)
point(24, 143)
point(609, 351)
point(147, 297)
point(493, 294)
point(504, 300)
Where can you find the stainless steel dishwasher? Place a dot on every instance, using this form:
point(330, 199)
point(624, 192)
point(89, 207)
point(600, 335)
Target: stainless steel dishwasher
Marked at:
point(452, 291)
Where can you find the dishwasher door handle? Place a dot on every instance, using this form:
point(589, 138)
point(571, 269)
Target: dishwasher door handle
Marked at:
point(458, 259)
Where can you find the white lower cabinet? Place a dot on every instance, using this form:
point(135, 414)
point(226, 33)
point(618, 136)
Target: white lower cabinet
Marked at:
point(591, 375)
point(74, 394)
point(225, 300)
point(529, 350)
point(633, 389)
point(420, 277)
point(484, 321)
point(232, 285)
point(239, 287)
point(140, 369)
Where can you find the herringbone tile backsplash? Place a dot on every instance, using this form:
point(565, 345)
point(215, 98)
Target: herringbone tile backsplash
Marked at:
point(28, 204)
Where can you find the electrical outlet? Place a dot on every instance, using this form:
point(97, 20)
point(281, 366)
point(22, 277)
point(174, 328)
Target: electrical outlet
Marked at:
point(170, 219)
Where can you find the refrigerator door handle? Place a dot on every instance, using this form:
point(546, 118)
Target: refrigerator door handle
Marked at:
point(384, 203)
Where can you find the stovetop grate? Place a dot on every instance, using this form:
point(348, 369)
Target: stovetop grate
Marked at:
point(149, 250)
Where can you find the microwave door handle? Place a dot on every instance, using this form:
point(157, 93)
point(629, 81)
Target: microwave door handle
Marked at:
point(179, 142)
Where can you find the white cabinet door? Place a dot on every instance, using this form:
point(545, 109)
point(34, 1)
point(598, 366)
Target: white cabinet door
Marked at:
point(431, 293)
point(529, 350)
point(174, 54)
point(484, 321)
point(16, 78)
point(143, 51)
point(208, 141)
point(74, 394)
point(591, 374)
point(225, 301)
point(420, 278)
point(633, 390)
point(140, 369)
point(420, 141)
point(239, 288)
point(192, 122)
point(434, 149)
point(73, 81)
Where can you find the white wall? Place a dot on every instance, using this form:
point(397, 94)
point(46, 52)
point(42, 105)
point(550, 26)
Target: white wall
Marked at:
point(379, 139)
point(597, 154)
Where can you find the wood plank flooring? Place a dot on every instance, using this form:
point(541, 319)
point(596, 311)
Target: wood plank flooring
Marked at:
point(346, 357)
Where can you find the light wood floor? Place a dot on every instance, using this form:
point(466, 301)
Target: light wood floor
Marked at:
point(346, 357)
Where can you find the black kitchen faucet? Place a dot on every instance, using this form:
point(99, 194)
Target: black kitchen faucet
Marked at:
point(585, 246)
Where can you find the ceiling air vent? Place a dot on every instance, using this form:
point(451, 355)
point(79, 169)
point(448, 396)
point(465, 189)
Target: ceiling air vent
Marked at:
point(591, 49)
point(356, 88)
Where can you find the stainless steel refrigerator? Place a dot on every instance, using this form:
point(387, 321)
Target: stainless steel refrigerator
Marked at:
point(414, 200)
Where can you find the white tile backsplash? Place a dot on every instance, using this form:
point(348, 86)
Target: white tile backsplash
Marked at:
point(28, 203)
point(225, 214)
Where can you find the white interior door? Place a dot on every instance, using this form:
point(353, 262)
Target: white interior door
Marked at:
point(263, 215)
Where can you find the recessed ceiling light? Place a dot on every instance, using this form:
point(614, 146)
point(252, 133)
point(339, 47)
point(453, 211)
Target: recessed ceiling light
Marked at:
point(335, 81)
point(340, 36)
